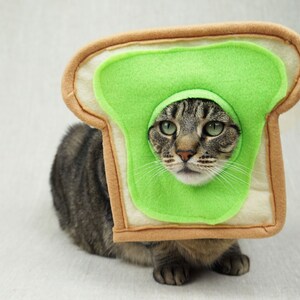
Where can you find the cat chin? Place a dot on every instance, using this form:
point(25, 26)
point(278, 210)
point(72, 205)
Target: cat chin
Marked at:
point(193, 178)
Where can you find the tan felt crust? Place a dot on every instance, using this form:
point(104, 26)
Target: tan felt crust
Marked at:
point(124, 233)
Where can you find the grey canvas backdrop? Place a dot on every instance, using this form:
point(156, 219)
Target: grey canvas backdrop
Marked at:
point(37, 260)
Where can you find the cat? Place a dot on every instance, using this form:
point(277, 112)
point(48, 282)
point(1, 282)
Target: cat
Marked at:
point(193, 138)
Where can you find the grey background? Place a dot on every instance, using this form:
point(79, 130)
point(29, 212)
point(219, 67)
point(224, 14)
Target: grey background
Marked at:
point(37, 260)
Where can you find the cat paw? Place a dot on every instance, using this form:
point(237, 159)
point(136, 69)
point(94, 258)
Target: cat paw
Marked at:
point(176, 274)
point(235, 265)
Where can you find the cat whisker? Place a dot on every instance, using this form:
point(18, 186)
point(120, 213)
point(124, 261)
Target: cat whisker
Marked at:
point(147, 168)
point(141, 178)
point(239, 170)
point(243, 167)
point(149, 172)
point(156, 175)
point(145, 174)
point(247, 173)
point(243, 172)
point(143, 170)
point(232, 177)
point(148, 164)
point(218, 173)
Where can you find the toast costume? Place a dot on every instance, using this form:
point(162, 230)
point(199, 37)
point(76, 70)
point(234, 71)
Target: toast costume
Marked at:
point(120, 85)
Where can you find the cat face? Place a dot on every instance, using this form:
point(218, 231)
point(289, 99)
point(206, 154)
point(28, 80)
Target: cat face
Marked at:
point(194, 138)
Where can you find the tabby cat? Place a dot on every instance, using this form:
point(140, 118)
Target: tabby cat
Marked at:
point(193, 138)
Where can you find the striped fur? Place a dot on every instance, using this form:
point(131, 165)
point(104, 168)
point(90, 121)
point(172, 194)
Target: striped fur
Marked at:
point(190, 117)
point(81, 200)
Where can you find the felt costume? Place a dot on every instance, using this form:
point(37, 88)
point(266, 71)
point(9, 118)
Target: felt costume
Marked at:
point(120, 85)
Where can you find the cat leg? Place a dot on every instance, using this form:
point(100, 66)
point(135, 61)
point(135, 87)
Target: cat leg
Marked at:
point(169, 266)
point(232, 262)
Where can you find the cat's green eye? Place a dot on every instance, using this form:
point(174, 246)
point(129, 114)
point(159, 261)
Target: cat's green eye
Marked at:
point(167, 127)
point(214, 128)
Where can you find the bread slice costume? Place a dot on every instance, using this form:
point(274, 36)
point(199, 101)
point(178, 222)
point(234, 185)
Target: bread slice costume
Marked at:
point(120, 84)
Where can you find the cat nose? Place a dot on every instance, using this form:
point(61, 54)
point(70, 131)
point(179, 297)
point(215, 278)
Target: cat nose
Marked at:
point(185, 155)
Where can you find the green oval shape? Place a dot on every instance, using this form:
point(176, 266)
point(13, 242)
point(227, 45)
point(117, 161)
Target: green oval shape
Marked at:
point(247, 78)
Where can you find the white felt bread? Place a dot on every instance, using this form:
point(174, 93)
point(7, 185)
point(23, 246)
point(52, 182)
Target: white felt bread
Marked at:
point(263, 213)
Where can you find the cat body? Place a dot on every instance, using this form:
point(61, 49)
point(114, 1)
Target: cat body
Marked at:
point(81, 199)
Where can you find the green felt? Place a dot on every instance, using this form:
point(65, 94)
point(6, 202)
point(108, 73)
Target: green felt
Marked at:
point(245, 79)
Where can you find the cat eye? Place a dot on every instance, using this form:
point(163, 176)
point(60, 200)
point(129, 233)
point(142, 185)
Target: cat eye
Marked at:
point(167, 127)
point(214, 128)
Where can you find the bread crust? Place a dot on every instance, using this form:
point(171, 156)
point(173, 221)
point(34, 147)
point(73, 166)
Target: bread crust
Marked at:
point(122, 231)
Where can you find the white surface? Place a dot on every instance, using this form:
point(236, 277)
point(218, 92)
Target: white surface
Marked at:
point(37, 260)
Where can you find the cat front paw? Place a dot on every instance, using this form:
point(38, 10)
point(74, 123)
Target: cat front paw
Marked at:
point(172, 274)
point(234, 264)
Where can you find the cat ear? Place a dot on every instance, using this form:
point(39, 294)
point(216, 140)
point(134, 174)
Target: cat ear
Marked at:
point(96, 79)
